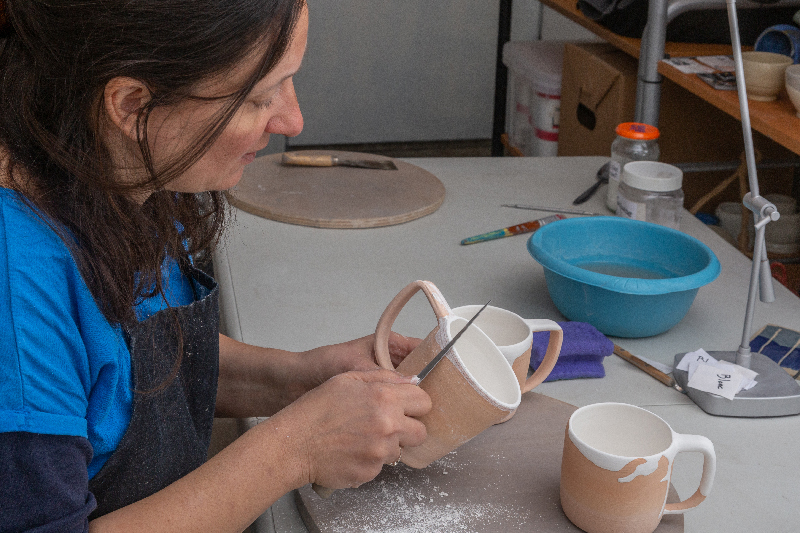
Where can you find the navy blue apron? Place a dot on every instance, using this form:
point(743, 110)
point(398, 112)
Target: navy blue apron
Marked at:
point(170, 427)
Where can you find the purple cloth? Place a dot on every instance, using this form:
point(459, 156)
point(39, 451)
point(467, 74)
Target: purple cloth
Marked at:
point(582, 352)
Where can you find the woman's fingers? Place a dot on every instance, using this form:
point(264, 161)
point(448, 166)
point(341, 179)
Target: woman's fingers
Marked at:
point(396, 401)
point(414, 400)
point(358, 422)
point(380, 375)
point(359, 354)
point(400, 347)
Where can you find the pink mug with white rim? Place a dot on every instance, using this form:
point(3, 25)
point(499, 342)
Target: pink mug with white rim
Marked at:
point(471, 388)
point(616, 468)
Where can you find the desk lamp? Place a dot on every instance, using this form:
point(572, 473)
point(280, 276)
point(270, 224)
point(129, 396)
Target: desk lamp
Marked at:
point(776, 393)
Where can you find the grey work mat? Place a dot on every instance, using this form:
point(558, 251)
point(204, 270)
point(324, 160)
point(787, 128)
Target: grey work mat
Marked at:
point(504, 480)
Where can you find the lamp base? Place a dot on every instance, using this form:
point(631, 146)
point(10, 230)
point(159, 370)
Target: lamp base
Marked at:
point(775, 394)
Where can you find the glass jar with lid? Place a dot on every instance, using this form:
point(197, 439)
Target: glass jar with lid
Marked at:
point(651, 191)
point(635, 142)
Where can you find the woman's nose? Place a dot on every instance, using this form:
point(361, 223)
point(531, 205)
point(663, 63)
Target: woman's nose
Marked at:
point(289, 120)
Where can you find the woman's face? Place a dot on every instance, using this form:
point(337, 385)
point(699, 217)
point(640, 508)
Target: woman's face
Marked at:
point(271, 107)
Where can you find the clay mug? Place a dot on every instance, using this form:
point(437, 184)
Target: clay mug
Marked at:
point(616, 468)
point(513, 336)
point(471, 388)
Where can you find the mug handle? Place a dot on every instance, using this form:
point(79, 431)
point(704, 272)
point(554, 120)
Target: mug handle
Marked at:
point(440, 308)
point(550, 356)
point(695, 443)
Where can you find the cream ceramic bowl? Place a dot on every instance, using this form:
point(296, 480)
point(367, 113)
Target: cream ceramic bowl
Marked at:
point(764, 74)
point(793, 86)
point(782, 236)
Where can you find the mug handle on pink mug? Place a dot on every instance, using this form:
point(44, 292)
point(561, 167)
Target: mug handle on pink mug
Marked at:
point(695, 443)
point(550, 356)
point(440, 308)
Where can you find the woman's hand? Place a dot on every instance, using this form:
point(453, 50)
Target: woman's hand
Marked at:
point(353, 424)
point(358, 354)
point(338, 435)
point(255, 381)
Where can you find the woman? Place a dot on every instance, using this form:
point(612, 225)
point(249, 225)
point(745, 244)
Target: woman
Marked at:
point(120, 122)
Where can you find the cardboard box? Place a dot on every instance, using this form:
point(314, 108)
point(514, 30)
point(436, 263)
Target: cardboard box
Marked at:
point(598, 92)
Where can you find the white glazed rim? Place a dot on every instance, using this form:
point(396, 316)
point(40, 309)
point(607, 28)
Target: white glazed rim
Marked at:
point(792, 71)
point(470, 310)
point(503, 367)
point(766, 58)
point(622, 459)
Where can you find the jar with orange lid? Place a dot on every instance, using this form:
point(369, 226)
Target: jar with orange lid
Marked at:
point(634, 142)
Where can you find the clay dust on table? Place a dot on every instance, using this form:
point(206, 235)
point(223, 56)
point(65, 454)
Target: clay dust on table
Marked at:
point(405, 500)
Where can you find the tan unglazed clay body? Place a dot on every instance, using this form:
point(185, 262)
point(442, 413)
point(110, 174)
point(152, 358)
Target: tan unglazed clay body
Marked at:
point(616, 468)
point(472, 388)
point(594, 499)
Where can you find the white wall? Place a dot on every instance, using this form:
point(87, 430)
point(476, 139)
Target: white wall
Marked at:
point(415, 70)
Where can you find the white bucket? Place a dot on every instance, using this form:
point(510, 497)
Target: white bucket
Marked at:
point(534, 95)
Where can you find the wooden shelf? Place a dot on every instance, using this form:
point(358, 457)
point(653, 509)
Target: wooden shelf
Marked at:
point(777, 119)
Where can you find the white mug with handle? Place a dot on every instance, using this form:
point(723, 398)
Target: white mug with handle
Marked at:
point(513, 335)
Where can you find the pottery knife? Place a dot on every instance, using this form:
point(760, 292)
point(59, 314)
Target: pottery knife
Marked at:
point(305, 160)
point(435, 361)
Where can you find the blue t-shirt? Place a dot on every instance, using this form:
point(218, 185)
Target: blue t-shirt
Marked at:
point(65, 369)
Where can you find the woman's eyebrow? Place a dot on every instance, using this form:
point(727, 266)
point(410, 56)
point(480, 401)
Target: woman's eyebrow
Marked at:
point(257, 91)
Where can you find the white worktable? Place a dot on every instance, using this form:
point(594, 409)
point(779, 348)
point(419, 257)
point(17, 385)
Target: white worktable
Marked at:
point(297, 287)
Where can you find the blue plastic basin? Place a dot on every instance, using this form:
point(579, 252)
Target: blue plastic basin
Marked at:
point(625, 277)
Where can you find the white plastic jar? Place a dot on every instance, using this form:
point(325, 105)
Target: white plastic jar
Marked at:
point(634, 142)
point(651, 191)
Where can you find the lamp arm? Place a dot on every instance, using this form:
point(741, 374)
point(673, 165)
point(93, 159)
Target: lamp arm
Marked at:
point(763, 211)
point(744, 109)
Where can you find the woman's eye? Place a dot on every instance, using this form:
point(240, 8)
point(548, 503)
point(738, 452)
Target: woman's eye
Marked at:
point(265, 104)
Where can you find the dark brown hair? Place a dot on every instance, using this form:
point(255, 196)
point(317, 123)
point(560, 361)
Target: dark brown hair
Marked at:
point(5, 26)
point(54, 65)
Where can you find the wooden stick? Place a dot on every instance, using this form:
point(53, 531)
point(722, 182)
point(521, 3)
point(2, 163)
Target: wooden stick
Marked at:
point(306, 160)
point(652, 371)
point(715, 191)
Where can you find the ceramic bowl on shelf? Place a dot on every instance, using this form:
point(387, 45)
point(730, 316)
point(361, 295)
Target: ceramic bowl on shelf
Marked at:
point(782, 236)
point(764, 74)
point(792, 76)
point(730, 220)
point(780, 39)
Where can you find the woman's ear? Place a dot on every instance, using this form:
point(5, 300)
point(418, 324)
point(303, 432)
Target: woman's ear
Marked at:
point(124, 98)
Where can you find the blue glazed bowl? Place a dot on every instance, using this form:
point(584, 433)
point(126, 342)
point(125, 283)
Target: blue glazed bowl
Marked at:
point(625, 277)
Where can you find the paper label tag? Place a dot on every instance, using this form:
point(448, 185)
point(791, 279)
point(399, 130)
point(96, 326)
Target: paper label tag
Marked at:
point(710, 378)
point(629, 209)
point(687, 65)
point(749, 376)
point(698, 355)
point(721, 63)
point(614, 170)
point(716, 377)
